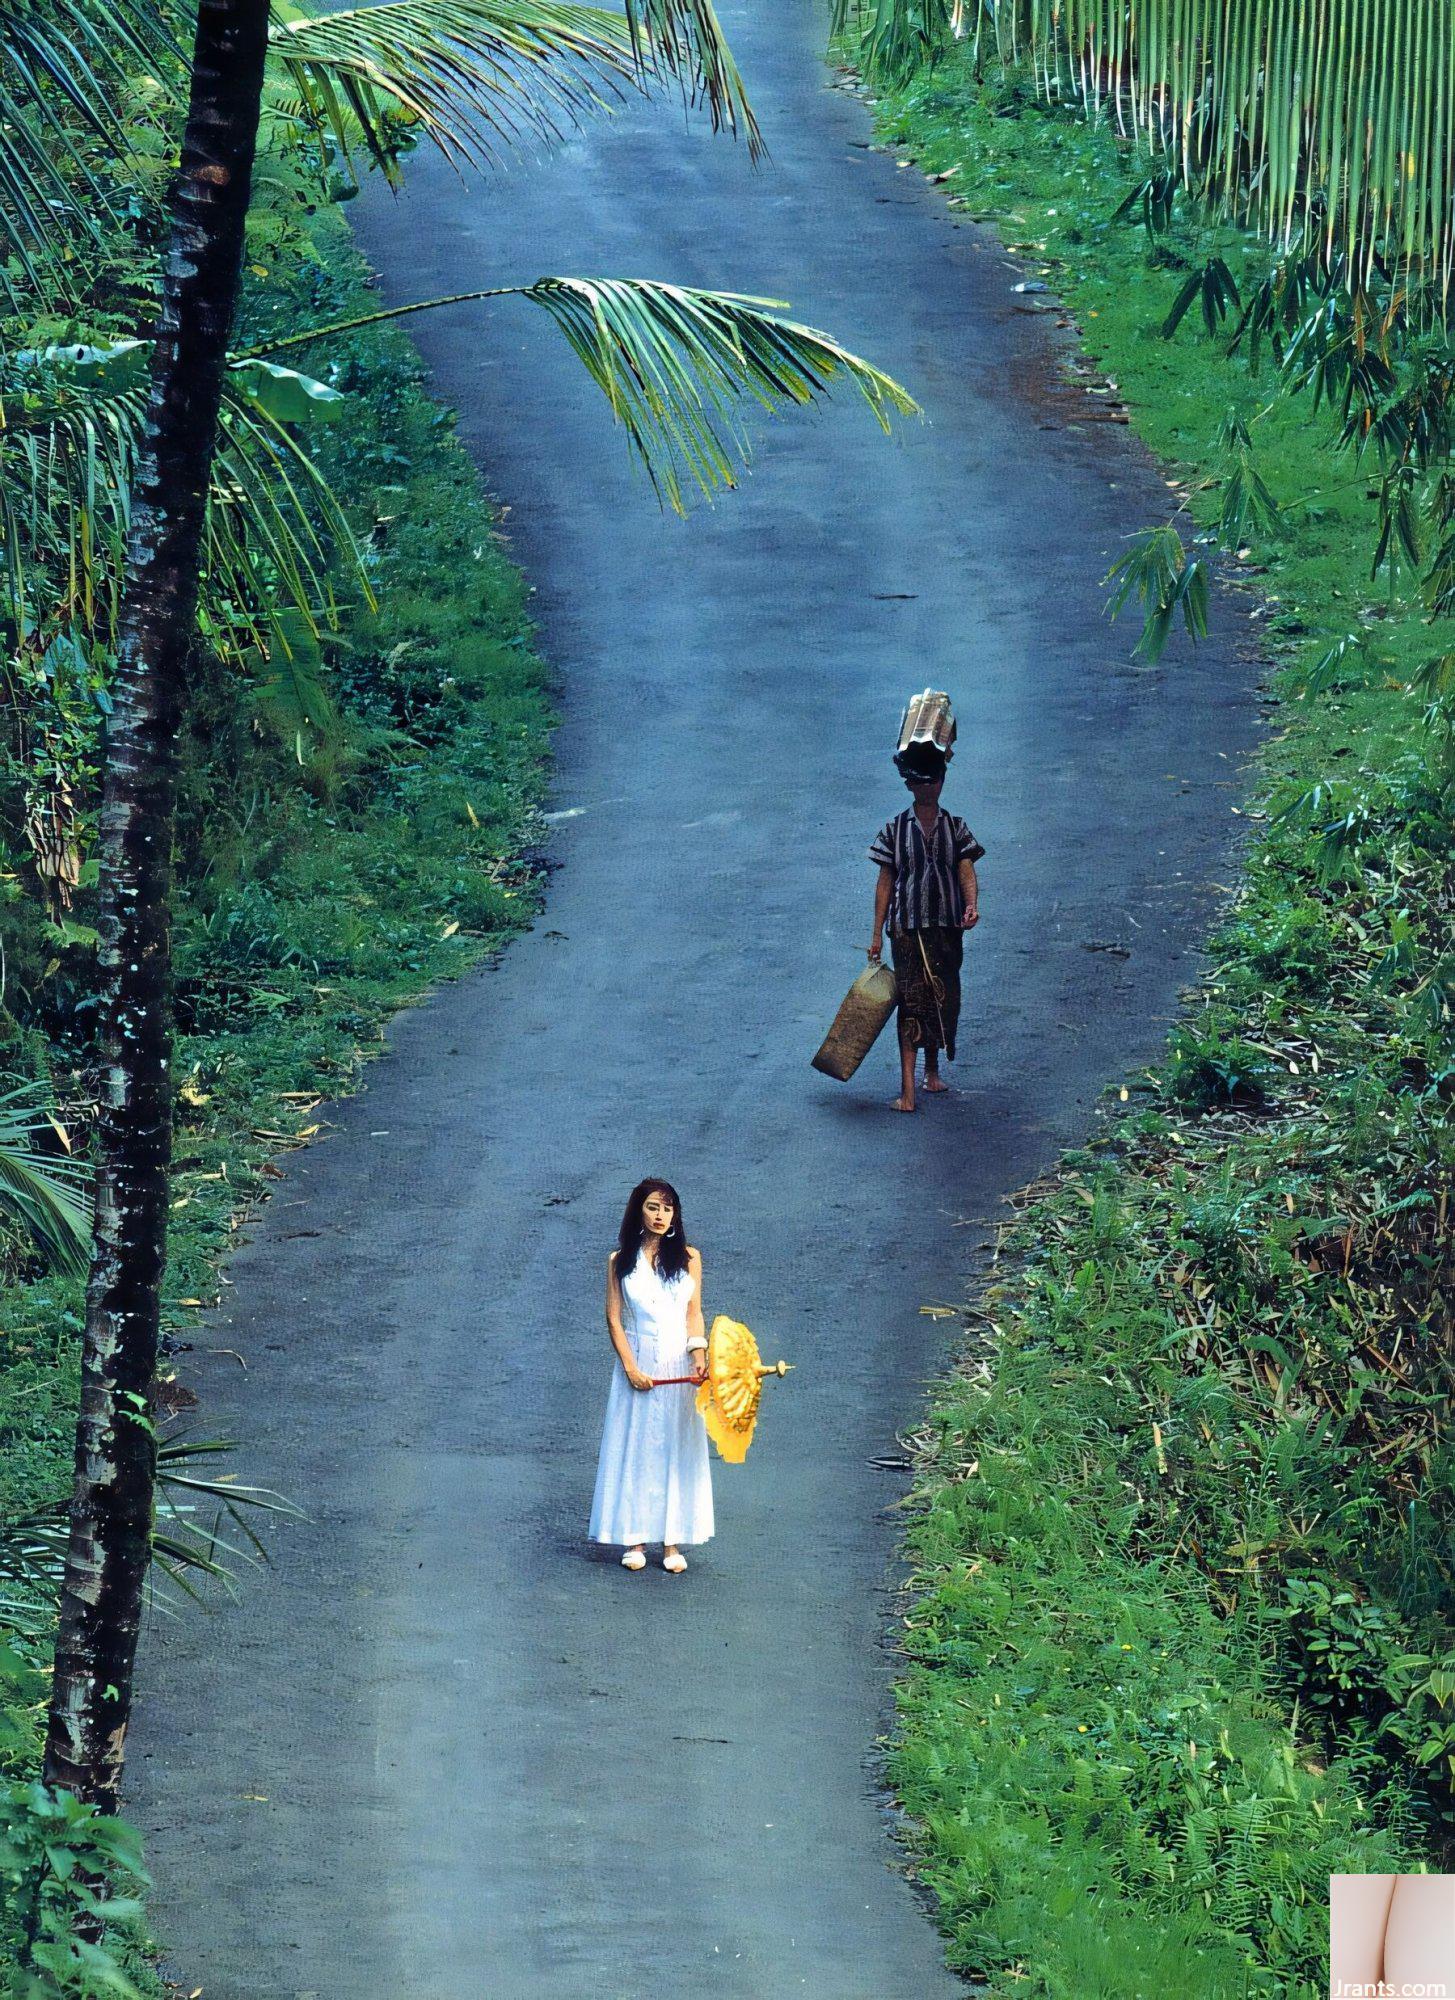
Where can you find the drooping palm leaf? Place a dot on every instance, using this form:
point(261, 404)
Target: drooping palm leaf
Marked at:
point(184, 1544)
point(63, 79)
point(477, 77)
point(32, 1562)
point(72, 428)
point(684, 38)
point(473, 76)
point(677, 366)
point(48, 1193)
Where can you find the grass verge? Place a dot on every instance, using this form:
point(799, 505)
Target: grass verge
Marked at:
point(1179, 1641)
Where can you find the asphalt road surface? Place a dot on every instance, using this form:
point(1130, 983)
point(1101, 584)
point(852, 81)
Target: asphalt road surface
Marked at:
point(443, 1751)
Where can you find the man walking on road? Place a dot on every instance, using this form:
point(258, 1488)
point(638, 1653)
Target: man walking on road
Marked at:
point(928, 895)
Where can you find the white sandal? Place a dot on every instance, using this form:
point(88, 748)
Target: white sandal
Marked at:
point(676, 1562)
point(634, 1559)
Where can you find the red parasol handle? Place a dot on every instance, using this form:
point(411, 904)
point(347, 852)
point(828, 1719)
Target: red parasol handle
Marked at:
point(666, 1381)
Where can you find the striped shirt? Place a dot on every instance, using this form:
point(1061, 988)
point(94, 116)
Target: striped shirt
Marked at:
point(926, 891)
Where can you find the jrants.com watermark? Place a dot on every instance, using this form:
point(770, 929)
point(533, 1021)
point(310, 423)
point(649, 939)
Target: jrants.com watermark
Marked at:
point(1384, 1991)
point(1392, 1937)
point(1380, 1989)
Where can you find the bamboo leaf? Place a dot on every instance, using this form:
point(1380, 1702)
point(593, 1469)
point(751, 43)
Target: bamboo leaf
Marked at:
point(1326, 126)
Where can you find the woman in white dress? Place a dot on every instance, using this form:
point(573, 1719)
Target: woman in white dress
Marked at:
point(653, 1483)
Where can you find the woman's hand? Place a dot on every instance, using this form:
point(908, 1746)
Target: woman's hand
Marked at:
point(635, 1376)
point(698, 1363)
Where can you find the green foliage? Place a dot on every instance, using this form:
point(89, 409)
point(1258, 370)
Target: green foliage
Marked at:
point(1285, 944)
point(24, 1686)
point(1352, 306)
point(1179, 1644)
point(1323, 127)
point(57, 187)
point(60, 1863)
point(1422, 1686)
point(1213, 287)
point(313, 900)
point(1209, 1065)
point(42, 1187)
point(1343, 1645)
point(68, 456)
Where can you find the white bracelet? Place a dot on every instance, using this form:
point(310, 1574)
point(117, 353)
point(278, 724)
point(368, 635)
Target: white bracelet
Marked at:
point(699, 1342)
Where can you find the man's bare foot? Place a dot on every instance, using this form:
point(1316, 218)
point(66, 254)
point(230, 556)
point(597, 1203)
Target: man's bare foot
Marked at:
point(935, 1083)
point(901, 1104)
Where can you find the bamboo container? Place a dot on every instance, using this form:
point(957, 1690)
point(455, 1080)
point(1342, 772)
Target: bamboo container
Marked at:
point(858, 1024)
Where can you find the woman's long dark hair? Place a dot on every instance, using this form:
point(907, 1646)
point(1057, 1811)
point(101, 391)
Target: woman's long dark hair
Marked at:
point(671, 1248)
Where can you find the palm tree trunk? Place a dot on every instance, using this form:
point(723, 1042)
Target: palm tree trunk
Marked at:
point(111, 1511)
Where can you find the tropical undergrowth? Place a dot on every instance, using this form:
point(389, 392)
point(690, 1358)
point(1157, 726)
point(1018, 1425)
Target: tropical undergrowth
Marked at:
point(337, 857)
point(1179, 1643)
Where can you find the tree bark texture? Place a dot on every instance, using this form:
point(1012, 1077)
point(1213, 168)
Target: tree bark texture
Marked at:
point(115, 1468)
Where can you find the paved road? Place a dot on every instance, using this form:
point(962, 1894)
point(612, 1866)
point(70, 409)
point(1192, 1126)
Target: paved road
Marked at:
point(442, 1753)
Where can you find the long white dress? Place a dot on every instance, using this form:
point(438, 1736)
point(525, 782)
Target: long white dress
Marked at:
point(653, 1482)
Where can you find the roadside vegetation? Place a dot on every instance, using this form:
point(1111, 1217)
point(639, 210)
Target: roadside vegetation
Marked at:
point(1180, 1642)
point(314, 899)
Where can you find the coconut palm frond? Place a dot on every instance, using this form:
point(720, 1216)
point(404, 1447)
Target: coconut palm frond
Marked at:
point(49, 1194)
point(476, 77)
point(274, 527)
point(73, 421)
point(64, 83)
point(191, 1551)
point(479, 77)
point(677, 366)
point(684, 38)
point(186, 1550)
point(32, 1563)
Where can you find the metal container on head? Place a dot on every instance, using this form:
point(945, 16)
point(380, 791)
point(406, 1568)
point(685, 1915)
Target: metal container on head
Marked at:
point(928, 723)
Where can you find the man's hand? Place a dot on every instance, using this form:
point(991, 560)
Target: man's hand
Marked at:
point(876, 951)
point(970, 919)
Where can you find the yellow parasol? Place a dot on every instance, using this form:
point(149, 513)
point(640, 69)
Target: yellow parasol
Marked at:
point(728, 1399)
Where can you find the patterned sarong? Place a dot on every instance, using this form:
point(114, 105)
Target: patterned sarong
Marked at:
point(927, 971)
